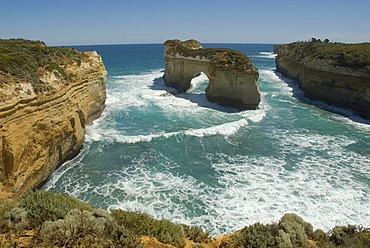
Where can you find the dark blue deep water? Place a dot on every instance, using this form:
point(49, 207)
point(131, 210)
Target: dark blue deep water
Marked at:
point(191, 161)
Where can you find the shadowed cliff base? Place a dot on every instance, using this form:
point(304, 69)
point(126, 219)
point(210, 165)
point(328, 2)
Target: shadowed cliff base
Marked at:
point(335, 73)
point(232, 76)
point(47, 219)
point(301, 96)
point(198, 98)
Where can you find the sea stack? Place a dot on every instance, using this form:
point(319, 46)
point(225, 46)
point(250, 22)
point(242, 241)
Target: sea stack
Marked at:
point(48, 95)
point(233, 79)
point(332, 72)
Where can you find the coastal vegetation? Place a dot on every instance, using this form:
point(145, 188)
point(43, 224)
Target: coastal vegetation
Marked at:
point(354, 56)
point(220, 57)
point(26, 60)
point(47, 219)
point(332, 72)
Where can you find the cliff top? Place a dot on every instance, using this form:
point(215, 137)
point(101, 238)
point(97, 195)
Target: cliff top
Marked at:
point(26, 61)
point(354, 56)
point(221, 57)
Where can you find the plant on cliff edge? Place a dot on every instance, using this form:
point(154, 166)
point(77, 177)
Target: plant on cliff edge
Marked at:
point(142, 224)
point(45, 205)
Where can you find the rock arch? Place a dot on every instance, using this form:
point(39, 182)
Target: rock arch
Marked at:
point(233, 80)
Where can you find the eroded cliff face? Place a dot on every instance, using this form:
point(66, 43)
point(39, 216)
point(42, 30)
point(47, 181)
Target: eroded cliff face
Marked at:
point(233, 80)
point(40, 129)
point(336, 80)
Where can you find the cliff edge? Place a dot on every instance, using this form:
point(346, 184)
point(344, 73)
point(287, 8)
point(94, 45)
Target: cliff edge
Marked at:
point(48, 95)
point(332, 72)
point(233, 79)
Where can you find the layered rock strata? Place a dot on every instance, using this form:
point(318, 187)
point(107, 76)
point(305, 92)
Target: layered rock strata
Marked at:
point(40, 129)
point(332, 72)
point(233, 80)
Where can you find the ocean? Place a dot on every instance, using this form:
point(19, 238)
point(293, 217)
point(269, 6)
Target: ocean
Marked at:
point(182, 158)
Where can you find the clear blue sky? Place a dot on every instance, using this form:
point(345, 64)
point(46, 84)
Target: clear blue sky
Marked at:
point(72, 22)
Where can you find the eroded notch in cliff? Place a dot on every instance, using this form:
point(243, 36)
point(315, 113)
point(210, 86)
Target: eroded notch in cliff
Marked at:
point(82, 118)
point(8, 159)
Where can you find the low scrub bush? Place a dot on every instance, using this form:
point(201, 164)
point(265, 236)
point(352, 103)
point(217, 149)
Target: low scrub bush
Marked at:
point(48, 219)
point(27, 60)
point(143, 225)
point(196, 234)
point(80, 226)
point(45, 205)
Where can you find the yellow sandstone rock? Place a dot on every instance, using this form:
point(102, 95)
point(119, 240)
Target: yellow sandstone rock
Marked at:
point(39, 131)
point(332, 72)
point(233, 80)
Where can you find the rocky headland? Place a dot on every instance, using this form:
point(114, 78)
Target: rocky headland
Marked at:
point(233, 79)
point(336, 73)
point(48, 95)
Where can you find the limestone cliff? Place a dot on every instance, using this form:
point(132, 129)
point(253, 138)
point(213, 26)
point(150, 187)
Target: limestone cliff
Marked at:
point(332, 72)
point(46, 102)
point(233, 80)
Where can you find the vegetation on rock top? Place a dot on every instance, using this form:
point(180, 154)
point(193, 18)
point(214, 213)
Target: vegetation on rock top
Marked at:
point(25, 61)
point(47, 219)
point(220, 57)
point(354, 56)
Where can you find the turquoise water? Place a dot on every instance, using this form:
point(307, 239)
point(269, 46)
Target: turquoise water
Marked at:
point(191, 161)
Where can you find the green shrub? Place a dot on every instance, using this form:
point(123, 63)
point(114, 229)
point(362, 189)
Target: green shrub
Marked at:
point(125, 239)
point(256, 235)
point(291, 231)
point(16, 219)
point(354, 56)
point(296, 228)
point(44, 206)
point(80, 226)
point(27, 60)
point(321, 237)
point(350, 236)
point(196, 234)
point(142, 224)
point(6, 206)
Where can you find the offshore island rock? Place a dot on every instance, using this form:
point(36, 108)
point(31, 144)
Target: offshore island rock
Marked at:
point(233, 79)
point(45, 106)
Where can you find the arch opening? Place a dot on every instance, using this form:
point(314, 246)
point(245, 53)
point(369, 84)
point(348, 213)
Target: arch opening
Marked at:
point(198, 83)
point(233, 80)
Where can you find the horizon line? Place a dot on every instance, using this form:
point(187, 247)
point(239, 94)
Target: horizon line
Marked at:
point(158, 43)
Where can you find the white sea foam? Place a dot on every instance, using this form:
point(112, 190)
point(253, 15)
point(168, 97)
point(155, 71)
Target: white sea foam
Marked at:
point(268, 55)
point(310, 173)
point(291, 88)
point(275, 81)
point(254, 189)
point(141, 91)
point(226, 129)
point(67, 166)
